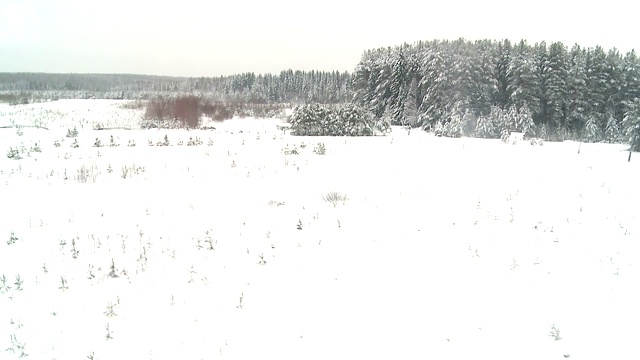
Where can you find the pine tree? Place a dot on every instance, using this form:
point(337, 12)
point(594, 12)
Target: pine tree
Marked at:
point(526, 120)
point(615, 84)
point(591, 128)
point(484, 128)
point(556, 85)
point(398, 87)
point(631, 125)
point(489, 74)
point(597, 82)
point(502, 62)
point(541, 60)
point(410, 106)
point(433, 107)
point(577, 89)
point(612, 131)
point(523, 82)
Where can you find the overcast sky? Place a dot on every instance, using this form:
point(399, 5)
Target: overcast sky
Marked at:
point(211, 38)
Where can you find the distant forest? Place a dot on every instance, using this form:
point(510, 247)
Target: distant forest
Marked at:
point(287, 87)
point(579, 93)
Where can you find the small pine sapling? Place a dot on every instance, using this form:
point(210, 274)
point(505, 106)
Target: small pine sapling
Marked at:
point(555, 333)
point(63, 284)
point(12, 239)
point(91, 275)
point(112, 270)
point(109, 335)
point(18, 283)
point(4, 288)
point(191, 273)
point(209, 240)
point(110, 312)
point(239, 306)
point(74, 250)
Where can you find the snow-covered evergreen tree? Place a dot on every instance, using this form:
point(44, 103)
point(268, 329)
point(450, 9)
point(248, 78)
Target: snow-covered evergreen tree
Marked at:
point(522, 78)
point(591, 129)
point(348, 120)
point(484, 128)
point(576, 101)
point(525, 120)
point(556, 84)
point(612, 132)
point(631, 125)
point(410, 106)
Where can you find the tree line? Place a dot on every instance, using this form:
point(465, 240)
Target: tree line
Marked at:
point(287, 87)
point(568, 93)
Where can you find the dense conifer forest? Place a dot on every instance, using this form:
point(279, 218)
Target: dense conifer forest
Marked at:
point(481, 88)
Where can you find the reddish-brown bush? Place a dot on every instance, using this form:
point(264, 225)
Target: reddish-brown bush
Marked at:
point(183, 111)
point(186, 111)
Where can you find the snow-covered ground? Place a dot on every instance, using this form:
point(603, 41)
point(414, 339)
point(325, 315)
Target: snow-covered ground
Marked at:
point(443, 249)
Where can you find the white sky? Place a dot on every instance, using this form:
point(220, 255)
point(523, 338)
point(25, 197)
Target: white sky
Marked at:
point(198, 38)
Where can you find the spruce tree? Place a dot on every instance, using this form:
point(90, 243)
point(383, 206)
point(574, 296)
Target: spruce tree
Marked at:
point(556, 85)
point(612, 131)
point(631, 125)
point(576, 102)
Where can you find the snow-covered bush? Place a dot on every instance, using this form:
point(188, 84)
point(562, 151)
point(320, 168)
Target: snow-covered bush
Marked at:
point(14, 154)
point(347, 120)
point(72, 133)
point(320, 149)
point(194, 142)
point(112, 142)
point(453, 128)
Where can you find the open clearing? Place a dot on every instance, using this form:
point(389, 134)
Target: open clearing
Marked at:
point(443, 248)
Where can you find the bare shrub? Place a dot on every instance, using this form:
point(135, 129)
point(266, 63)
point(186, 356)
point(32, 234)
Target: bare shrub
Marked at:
point(172, 113)
point(335, 198)
point(186, 110)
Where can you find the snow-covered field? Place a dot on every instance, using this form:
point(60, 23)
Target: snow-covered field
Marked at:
point(443, 249)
